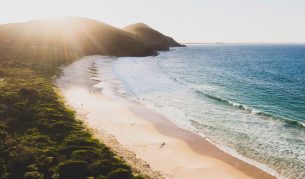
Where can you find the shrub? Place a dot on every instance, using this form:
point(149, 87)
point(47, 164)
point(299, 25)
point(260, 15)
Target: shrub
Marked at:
point(29, 93)
point(86, 155)
point(101, 177)
point(138, 177)
point(100, 167)
point(73, 169)
point(81, 141)
point(120, 174)
point(33, 175)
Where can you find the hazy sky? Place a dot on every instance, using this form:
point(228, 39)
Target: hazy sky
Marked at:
point(185, 20)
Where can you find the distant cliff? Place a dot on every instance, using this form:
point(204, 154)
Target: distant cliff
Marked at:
point(153, 38)
point(77, 36)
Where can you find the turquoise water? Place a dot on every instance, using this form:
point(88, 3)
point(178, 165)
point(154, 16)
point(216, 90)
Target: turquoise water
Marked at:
point(247, 99)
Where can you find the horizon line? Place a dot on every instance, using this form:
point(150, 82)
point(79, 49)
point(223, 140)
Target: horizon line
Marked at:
point(220, 43)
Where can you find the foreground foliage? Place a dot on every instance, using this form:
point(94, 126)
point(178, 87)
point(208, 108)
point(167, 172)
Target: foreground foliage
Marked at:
point(39, 136)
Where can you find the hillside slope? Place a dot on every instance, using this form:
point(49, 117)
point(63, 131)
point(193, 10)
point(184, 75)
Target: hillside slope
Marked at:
point(153, 38)
point(39, 136)
point(73, 34)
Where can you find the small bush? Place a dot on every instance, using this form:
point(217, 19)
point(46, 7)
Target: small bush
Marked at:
point(86, 155)
point(73, 169)
point(119, 174)
point(29, 93)
point(100, 167)
point(33, 175)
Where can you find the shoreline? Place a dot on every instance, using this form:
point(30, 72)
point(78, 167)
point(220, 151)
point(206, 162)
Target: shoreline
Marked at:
point(161, 147)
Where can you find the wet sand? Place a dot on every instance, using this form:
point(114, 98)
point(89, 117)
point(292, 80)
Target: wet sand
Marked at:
point(150, 143)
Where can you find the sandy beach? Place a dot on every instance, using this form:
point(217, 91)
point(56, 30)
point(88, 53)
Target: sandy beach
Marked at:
point(151, 144)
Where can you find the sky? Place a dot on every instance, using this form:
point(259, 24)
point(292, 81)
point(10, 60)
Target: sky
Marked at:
point(197, 21)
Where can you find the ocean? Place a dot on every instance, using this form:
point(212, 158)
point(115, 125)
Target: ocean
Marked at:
point(249, 100)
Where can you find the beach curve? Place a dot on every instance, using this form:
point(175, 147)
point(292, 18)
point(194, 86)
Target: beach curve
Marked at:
point(161, 145)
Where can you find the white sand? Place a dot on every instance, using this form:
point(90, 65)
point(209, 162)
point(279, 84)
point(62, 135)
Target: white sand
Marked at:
point(146, 140)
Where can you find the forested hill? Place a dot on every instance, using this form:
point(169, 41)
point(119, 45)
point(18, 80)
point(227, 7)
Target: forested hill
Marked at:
point(39, 136)
point(152, 37)
point(61, 40)
point(75, 34)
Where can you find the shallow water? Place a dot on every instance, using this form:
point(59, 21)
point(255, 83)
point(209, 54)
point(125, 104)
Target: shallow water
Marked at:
point(247, 99)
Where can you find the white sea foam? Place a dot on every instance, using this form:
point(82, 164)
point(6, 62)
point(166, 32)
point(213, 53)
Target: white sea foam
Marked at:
point(223, 126)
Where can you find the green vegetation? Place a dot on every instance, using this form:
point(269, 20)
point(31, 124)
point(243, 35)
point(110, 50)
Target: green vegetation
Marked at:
point(39, 136)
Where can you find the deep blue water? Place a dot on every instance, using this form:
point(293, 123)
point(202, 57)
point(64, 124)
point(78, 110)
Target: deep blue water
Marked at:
point(247, 99)
point(268, 78)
